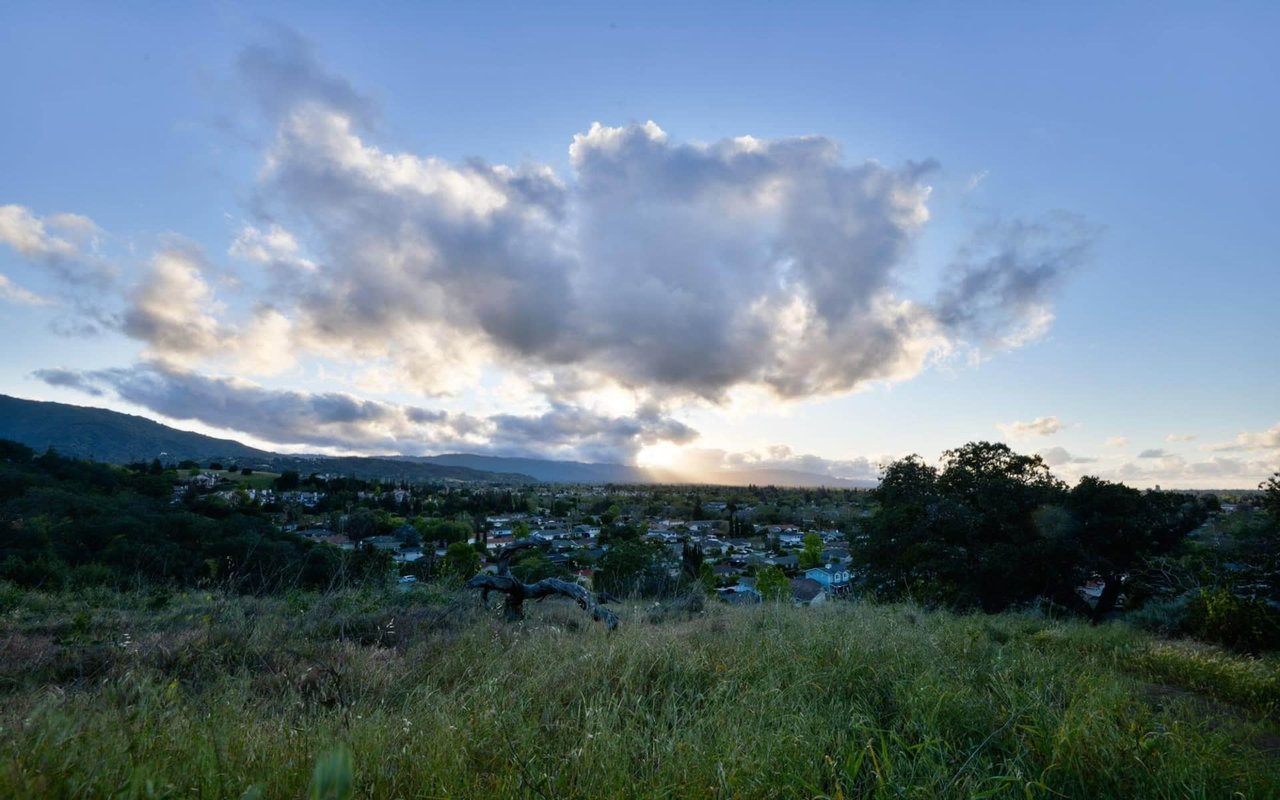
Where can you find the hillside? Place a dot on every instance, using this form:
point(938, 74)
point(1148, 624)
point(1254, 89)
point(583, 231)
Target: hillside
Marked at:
point(423, 693)
point(115, 438)
point(111, 437)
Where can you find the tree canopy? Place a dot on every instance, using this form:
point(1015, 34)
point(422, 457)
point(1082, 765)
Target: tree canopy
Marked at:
point(993, 528)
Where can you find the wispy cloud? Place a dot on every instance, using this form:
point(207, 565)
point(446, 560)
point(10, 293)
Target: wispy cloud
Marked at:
point(1040, 426)
point(60, 243)
point(13, 293)
point(1261, 440)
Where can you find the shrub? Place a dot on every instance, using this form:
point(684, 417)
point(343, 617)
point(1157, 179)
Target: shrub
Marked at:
point(1165, 616)
point(1237, 622)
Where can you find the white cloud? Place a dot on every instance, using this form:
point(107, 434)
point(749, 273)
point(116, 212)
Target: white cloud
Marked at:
point(1173, 471)
point(16, 294)
point(1180, 437)
point(27, 233)
point(1117, 442)
point(274, 246)
point(1040, 426)
point(61, 243)
point(1262, 440)
point(172, 309)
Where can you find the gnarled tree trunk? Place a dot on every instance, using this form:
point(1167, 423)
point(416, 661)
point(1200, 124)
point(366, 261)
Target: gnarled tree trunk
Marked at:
point(517, 591)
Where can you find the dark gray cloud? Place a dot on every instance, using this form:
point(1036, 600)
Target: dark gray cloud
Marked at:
point(1157, 452)
point(337, 420)
point(68, 379)
point(1061, 457)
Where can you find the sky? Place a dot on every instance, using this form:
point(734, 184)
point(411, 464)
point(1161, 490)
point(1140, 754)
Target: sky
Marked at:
point(698, 236)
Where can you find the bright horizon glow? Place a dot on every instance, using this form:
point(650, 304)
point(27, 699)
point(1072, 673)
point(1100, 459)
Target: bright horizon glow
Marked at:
point(663, 455)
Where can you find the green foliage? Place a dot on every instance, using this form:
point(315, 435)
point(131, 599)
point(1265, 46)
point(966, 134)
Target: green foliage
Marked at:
point(333, 778)
point(535, 566)
point(76, 524)
point(629, 568)
point(994, 529)
point(811, 555)
point(1167, 616)
point(691, 561)
point(707, 577)
point(1240, 623)
point(461, 560)
point(773, 584)
point(361, 524)
point(1271, 498)
point(445, 530)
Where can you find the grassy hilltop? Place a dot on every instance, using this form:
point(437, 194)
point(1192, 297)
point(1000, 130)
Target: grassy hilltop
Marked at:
point(211, 695)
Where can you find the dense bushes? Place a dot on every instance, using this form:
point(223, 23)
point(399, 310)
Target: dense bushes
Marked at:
point(1237, 622)
point(72, 524)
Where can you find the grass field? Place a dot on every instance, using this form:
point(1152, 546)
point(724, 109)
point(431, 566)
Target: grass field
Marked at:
point(429, 695)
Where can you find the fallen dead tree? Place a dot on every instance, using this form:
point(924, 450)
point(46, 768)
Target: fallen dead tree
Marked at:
point(517, 591)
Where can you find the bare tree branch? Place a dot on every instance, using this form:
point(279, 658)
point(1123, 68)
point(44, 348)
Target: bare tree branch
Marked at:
point(517, 591)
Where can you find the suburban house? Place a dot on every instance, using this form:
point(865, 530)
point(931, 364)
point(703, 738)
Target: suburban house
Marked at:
point(834, 579)
point(807, 592)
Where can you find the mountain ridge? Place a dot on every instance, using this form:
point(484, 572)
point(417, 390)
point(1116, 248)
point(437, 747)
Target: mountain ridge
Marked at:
point(115, 437)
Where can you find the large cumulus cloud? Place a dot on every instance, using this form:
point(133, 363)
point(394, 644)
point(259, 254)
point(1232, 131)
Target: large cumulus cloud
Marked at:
point(676, 269)
point(668, 272)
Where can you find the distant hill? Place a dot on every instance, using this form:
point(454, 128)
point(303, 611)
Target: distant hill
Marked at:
point(580, 472)
point(115, 438)
point(111, 437)
point(542, 469)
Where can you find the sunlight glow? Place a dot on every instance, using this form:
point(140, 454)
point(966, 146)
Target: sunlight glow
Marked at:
point(663, 455)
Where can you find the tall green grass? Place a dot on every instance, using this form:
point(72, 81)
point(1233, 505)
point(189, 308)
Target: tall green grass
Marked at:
point(429, 695)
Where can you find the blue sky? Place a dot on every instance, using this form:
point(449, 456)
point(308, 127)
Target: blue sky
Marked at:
point(1094, 248)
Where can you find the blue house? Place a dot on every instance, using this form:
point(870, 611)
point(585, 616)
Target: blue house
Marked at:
point(834, 579)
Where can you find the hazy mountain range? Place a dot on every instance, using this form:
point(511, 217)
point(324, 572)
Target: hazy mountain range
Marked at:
point(112, 437)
